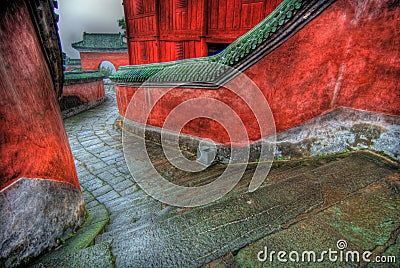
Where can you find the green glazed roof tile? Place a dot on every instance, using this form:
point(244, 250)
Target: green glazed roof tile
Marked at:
point(82, 75)
point(101, 41)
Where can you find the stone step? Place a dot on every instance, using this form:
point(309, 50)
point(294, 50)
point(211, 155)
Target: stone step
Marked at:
point(134, 214)
point(368, 220)
point(203, 234)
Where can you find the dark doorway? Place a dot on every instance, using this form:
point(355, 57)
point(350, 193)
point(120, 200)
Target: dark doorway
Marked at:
point(215, 48)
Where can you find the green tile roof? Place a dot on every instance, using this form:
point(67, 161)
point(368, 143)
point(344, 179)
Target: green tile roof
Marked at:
point(82, 76)
point(101, 41)
point(69, 61)
point(270, 32)
point(189, 70)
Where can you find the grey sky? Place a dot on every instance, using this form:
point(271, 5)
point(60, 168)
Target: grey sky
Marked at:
point(78, 16)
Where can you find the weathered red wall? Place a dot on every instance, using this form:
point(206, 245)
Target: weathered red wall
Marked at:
point(87, 92)
point(349, 56)
point(33, 142)
point(200, 127)
point(92, 60)
point(70, 68)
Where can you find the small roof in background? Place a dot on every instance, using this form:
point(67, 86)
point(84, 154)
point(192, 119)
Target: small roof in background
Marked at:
point(101, 42)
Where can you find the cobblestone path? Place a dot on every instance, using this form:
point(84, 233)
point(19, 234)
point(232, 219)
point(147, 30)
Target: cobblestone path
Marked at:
point(303, 205)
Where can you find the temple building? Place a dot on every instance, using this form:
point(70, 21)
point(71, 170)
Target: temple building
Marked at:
point(98, 47)
point(312, 86)
point(165, 30)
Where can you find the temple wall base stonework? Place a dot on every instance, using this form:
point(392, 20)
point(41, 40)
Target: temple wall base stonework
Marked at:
point(340, 130)
point(35, 213)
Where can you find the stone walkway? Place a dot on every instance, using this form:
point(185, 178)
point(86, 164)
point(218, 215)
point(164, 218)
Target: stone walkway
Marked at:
point(306, 205)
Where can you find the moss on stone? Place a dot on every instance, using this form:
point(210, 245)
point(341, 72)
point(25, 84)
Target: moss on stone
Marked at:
point(94, 225)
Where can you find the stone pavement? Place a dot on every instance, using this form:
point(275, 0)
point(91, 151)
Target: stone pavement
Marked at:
point(305, 205)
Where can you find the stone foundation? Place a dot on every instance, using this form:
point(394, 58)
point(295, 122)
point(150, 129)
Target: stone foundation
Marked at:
point(340, 130)
point(35, 213)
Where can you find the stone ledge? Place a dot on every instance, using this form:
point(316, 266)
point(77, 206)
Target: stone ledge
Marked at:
point(343, 129)
point(99, 256)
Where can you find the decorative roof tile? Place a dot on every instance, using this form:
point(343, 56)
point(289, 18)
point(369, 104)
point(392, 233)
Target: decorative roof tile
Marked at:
point(77, 76)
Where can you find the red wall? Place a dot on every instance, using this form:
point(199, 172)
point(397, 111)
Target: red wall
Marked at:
point(92, 60)
point(70, 68)
point(347, 57)
point(33, 142)
point(85, 91)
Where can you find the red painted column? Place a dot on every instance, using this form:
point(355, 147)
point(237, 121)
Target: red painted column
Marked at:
point(40, 196)
point(33, 139)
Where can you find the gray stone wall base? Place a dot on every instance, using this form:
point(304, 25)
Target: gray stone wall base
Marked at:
point(340, 130)
point(34, 214)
